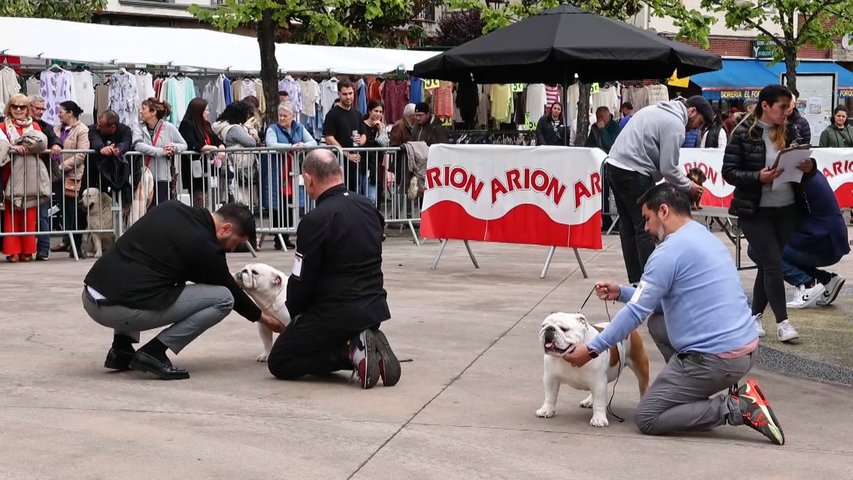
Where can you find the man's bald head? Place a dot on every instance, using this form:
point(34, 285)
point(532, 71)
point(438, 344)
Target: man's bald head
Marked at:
point(323, 165)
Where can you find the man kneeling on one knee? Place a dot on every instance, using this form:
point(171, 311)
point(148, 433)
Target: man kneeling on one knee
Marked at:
point(708, 341)
point(141, 284)
point(335, 294)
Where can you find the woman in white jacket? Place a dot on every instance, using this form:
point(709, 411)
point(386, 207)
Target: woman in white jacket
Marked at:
point(159, 141)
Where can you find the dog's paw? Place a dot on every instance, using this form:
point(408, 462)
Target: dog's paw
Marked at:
point(599, 421)
point(263, 357)
point(545, 412)
point(586, 403)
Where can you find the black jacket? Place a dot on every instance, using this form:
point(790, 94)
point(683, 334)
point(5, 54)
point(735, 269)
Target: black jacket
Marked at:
point(550, 132)
point(48, 132)
point(113, 172)
point(340, 281)
point(195, 142)
point(745, 157)
point(151, 263)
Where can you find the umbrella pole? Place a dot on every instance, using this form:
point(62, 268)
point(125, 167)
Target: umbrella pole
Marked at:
point(565, 100)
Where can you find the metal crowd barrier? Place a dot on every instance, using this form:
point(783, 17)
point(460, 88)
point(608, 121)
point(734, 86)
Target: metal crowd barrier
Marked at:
point(268, 180)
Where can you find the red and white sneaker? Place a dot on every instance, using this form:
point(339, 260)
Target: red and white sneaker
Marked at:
point(389, 366)
point(756, 412)
point(365, 359)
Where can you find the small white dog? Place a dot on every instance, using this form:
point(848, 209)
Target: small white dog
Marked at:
point(268, 289)
point(560, 333)
point(99, 216)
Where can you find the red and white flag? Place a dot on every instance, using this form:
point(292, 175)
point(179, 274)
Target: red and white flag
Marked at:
point(527, 195)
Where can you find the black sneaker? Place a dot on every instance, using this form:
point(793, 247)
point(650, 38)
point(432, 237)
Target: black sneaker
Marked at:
point(42, 255)
point(389, 366)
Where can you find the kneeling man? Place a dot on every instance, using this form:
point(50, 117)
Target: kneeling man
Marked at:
point(708, 341)
point(335, 294)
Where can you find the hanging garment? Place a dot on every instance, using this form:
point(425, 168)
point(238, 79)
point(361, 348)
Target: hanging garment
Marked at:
point(310, 96)
point(485, 104)
point(84, 95)
point(328, 94)
point(9, 85)
point(442, 100)
point(395, 95)
point(416, 90)
point(536, 101)
point(56, 87)
point(361, 95)
point(293, 89)
point(33, 86)
point(144, 86)
point(501, 97)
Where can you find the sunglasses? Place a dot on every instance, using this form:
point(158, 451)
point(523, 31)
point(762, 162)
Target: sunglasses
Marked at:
point(19, 107)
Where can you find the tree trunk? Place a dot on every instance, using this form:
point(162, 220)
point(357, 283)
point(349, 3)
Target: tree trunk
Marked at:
point(269, 66)
point(791, 70)
point(583, 114)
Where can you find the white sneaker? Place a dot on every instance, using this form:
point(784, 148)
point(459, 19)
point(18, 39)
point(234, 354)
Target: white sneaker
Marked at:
point(833, 288)
point(785, 331)
point(761, 332)
point(807, 297)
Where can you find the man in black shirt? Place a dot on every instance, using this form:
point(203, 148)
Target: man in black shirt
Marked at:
point(141, 284)
point(344, 126)
point(335, 293)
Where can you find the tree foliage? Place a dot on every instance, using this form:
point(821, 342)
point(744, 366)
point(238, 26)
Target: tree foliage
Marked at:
point(74, 10)
point(802, 22)
point(458, 27)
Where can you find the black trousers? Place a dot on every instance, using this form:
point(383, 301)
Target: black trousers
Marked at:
point(310, 346)
point(767, 233)
point(637, 245)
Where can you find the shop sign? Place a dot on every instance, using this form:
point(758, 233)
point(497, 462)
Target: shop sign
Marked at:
point(737, 94)
point(762, 48)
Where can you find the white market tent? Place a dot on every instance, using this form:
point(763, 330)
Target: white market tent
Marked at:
point(98, 44)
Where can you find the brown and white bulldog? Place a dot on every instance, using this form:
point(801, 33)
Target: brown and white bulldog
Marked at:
point(560, 333)
point(268, 289)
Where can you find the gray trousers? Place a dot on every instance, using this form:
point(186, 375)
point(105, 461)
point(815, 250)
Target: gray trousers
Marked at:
point(198, 308)
point(678, 400)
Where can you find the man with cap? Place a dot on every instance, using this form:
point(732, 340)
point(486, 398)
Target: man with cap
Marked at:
point(646, 151)
point(428, 127)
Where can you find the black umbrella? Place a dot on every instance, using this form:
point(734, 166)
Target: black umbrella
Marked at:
point(562, 42)
point(559, 43)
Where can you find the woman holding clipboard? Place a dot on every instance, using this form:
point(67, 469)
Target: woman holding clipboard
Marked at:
point(767, 213)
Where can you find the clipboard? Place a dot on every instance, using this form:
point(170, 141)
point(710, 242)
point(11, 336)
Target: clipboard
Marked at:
point(788, 160)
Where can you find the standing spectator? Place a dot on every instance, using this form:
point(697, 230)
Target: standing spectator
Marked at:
point(276, 187)
point(401, 131)
point(729, 122)
point(231, 128)
point(799, 121)
point(159, 141)
point(255, 124)
point(646, 151)
point(839, 134)
point(108, 169)
point(37, 110)
point(70, 169)
point(766, 215)
point(715, 135)
point(428, 128)
point(602, 134)
point(550, 129)
point(196, 131)
point(627, 111)
point(25, 178)
point(692, 139)
point(345, 128)
point(377, 137)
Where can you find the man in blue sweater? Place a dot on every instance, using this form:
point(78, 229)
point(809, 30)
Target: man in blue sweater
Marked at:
point(707, 335)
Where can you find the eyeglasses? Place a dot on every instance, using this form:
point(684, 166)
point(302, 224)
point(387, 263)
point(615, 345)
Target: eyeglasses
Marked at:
point(39, 109)
point(19, 107)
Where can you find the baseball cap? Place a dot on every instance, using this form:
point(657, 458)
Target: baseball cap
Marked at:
point(702, 106)
point(421, 107)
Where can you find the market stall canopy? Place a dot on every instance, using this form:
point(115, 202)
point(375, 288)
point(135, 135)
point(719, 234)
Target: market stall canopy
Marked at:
point(187, 48)
point(558, 43)
point(740, 78)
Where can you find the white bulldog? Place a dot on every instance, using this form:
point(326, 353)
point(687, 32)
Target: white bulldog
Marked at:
point(268, 288)
point(560, 333)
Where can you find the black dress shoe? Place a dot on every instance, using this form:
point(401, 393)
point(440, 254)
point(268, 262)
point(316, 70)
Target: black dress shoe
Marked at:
point(143, 362)
point(118, 359)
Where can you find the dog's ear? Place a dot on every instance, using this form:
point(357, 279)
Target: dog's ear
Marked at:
point(583, 321)
point(277, 280)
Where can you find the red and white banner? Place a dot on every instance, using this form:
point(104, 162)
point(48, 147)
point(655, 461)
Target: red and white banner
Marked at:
point(501, 193)
point(836, 164)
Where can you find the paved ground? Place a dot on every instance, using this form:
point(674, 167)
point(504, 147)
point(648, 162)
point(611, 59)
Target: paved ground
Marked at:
point(464, 408)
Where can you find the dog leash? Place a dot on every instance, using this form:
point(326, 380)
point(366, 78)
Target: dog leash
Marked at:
point(621, 363)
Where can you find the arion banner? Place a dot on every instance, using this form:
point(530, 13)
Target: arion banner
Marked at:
point(836, 164)
point(502, 193)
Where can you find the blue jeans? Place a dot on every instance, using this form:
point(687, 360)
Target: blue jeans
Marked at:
point(43, 241)
point(799, 267)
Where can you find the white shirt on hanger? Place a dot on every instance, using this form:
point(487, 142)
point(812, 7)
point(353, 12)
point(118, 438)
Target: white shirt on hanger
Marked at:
point(84, 95)
point(536, 100)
